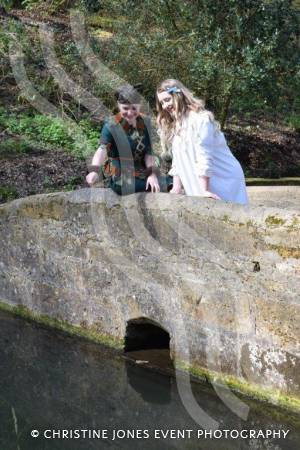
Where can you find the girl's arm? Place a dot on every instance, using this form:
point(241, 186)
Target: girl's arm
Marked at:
point(100, 156)
point(204, 181)
point(106, 142)
point(152, 180)
point(97, 161)
point(177, 185)
point(204, 143)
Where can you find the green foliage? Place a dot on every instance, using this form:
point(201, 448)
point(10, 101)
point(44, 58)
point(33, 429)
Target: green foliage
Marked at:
point(50, 6)
point(91, 5)
point(240, 55)
point(294, 122)
point(296, 4)
point(54, 6)
point(72, 183)
point(107, 23)
point(6, 3)
point(7, 193)
point(29, 4)
point(12, 146)
point(272, 170)
point(48, 132)
point(7, 32)
point(223, 50)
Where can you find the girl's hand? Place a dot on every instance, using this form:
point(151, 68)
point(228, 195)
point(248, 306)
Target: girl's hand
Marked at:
point(209, 194)
point(92, 178)
point(152, 182)
point(177, 185)
point(176, 190)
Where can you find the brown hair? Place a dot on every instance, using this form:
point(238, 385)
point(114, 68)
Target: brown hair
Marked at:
point(127, 94)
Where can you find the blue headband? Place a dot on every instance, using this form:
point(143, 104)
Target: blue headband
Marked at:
point(173, 90)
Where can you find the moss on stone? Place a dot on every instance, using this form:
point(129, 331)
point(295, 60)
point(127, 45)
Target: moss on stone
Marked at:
point(285, 252)
point(295, 221)
point(92, 333)
point(248, 224)
point(294, 226)
point(48, 208)
point(274, 221)
point(252, 391)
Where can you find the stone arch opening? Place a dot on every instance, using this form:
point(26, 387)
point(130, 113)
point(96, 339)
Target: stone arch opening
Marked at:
point(145, 334)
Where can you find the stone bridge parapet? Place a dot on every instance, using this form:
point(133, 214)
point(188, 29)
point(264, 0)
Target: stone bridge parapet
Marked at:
point(223, 280)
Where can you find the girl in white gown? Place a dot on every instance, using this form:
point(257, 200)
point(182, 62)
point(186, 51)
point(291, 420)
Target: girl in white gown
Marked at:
point(202, 162)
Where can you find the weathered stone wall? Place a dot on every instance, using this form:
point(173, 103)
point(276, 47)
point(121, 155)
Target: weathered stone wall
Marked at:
point(222, 279)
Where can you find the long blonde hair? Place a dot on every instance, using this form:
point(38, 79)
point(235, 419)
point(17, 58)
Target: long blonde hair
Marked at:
point(184, 102)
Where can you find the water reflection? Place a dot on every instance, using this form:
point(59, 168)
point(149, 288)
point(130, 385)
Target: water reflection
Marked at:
point(153, 388)
point(49, 380)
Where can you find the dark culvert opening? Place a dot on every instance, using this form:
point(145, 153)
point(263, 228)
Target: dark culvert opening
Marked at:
point(143, 334)
point(148, 344)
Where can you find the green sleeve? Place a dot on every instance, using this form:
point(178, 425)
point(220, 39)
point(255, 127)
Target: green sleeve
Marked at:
point(106, 136)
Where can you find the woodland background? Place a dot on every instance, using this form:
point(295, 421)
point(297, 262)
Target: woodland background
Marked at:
point(241, 56)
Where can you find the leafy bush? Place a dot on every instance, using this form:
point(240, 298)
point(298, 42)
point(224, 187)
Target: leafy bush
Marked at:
point(272, 170)
point(49, 132)
point(50, 6)
point(91, 5)
point(6, 3)
point(7, 193)
point(73, 182)
point(225, 52)
point(291, 171)
point(294, 122)
point(54, 6)
point(12, 146)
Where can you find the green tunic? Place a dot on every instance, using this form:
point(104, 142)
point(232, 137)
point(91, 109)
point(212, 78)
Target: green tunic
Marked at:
point(126, 147)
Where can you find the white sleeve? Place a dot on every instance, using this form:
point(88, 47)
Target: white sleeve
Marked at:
point(173, 172)
point(204, 142)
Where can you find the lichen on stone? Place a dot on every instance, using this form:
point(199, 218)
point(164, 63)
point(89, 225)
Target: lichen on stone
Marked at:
point(274, 221)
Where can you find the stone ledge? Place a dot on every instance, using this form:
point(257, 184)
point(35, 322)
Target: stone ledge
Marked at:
point(222, 279)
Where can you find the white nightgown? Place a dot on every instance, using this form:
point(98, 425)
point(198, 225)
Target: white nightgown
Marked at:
point(201, 150)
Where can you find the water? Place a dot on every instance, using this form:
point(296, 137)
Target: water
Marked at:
point(52, 381)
